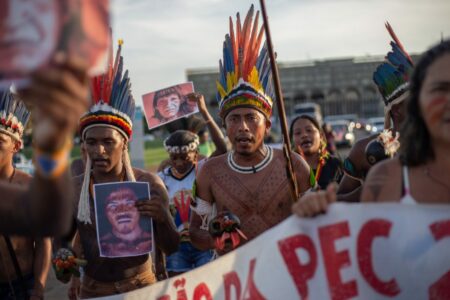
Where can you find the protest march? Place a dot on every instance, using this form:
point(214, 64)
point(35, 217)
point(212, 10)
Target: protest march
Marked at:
point(254, 179)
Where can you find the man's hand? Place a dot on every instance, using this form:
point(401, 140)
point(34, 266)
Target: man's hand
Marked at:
point(74, 288)
point(199, 99)
point(58, 96)
point(153, 209)
point(314, 203)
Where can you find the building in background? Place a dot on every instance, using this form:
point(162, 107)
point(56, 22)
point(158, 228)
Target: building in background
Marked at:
point(339, 86)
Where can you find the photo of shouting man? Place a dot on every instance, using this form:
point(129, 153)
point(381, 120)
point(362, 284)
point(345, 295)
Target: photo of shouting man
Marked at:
point(169, 104)
point(121, 230)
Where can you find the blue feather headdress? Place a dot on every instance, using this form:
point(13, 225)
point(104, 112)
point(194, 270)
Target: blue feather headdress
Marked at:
point(245, 77)
point(113, 107)
point(14, 115)
point(113, 102)
point(392, 76)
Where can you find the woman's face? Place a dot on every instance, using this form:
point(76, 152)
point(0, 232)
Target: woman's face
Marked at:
point(434, 99)
point(168, 106)
point(306, 136)
point(183, 162)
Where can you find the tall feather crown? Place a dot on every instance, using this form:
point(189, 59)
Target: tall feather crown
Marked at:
point(113, 102)
point(14, 115)
point(392, 76)
point(245, 75)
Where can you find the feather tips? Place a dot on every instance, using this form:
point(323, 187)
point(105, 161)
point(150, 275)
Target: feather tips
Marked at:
point(241, 57)
point(114, 87)
point(393, 75)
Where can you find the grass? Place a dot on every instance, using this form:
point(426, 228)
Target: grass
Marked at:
point(154, 153)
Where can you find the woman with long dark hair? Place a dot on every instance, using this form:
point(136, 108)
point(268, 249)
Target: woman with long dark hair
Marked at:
point(309, 141)
point(424, 159)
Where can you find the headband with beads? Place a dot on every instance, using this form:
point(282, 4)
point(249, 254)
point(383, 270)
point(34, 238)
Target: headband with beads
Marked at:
point(192, 146)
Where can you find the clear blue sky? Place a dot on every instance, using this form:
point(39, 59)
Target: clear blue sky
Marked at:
point(163, 38)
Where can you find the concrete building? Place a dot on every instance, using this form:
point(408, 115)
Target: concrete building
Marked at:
point(339, 86)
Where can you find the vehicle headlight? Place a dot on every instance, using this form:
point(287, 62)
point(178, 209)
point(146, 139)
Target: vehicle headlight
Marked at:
point(374, 129)
point(368, 127)
point(348, 136)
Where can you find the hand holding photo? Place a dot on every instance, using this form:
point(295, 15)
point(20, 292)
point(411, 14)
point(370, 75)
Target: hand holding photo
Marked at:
point(33, 32)
point(169, 104)
point(121, 230)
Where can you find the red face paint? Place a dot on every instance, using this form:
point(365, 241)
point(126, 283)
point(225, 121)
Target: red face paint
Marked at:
point(434, 109)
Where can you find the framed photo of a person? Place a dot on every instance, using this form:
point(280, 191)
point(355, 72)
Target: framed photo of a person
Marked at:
point(169, 104)
point(121, 230)
point(32, 32)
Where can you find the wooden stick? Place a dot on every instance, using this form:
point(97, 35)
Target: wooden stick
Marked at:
point(280, 106)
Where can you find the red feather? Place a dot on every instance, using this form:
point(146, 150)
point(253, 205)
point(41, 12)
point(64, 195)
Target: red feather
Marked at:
point(397, 41)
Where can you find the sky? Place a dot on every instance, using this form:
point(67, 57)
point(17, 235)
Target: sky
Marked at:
point(164, 38)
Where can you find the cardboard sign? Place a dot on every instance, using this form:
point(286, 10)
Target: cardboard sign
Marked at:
point(169, 104)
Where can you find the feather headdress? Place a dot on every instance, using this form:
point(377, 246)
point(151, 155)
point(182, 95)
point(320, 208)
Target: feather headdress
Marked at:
point(113, 102)
point(245, 76)
point(14, 115)
point(113, 107)
point(392, 76)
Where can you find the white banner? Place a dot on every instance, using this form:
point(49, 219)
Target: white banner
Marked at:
point(370, 251)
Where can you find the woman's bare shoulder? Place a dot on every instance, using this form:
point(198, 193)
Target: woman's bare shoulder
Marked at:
point(383, 182)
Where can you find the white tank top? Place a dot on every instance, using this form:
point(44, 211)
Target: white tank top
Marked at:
point(180, 194)
point(407, 198)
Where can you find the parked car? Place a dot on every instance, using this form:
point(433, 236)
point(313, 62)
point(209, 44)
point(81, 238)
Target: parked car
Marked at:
point(351, 118)
point(343, 130)
point(375, 125)
point(310, 109)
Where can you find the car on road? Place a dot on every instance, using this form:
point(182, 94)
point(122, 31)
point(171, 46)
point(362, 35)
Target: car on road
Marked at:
point(344, 135)
point(375, 125)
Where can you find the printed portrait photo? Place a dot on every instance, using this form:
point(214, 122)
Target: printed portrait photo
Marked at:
point(169, 104)
point(121, 230)
point(32, 32)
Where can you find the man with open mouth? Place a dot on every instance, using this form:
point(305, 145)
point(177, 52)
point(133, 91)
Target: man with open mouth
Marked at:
point(105, 131)
point(250, 182)
point(127, 238)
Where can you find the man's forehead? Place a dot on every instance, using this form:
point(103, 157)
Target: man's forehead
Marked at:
point(243, 111)
point(102, 132)
point(122, 193)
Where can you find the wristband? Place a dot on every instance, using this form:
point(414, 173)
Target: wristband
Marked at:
point(52, 165)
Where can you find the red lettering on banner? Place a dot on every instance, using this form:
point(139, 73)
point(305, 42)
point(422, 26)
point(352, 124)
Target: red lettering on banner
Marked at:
point(369, 231)
point(334, 261)
point(181, 294)
point(300, 273)
point(165, 297)
point(251, 291)
point(441, 288)
point(231, 279)
point(202, 292)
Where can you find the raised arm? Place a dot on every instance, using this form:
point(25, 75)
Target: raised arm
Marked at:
point(216, 134)
point(57, 97)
